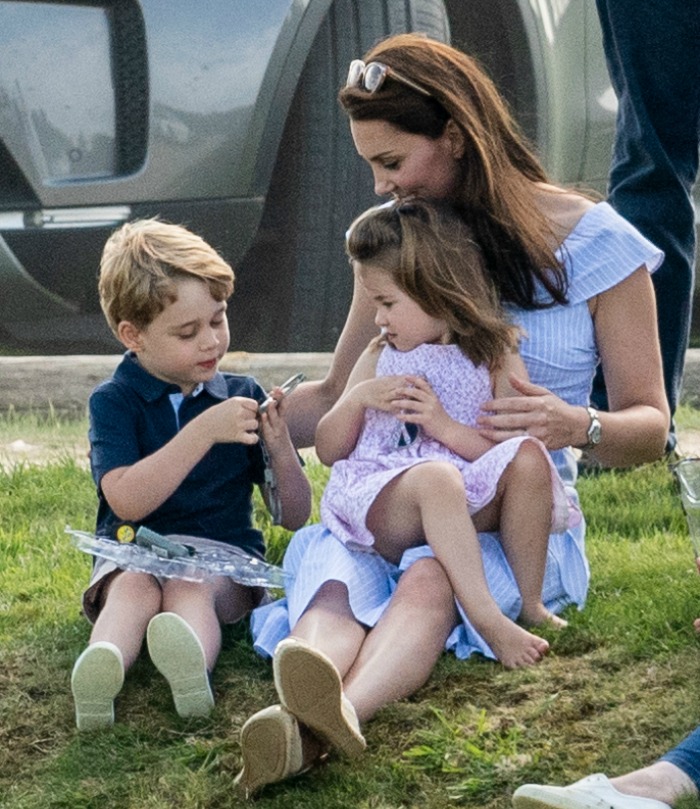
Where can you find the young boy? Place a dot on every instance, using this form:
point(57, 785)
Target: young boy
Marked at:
point(175, 446)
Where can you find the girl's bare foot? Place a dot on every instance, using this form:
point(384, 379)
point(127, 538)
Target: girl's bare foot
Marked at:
point(538, 615)
point(696, 624)
point(514, 646)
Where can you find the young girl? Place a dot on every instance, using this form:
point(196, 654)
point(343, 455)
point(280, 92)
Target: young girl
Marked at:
point(408, 462)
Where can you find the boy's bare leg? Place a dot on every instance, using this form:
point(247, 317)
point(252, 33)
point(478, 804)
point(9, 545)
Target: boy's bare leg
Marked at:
point(428, 501)
point(205, 606)
point(131, 600)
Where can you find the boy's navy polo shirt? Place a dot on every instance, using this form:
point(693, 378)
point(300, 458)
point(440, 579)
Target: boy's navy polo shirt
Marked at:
point(131, 417)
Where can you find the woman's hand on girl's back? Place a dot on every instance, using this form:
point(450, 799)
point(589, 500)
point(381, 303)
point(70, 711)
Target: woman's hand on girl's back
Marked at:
point(536, 412)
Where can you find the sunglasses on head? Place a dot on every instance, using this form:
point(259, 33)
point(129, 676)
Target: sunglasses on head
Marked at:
point(371, 77)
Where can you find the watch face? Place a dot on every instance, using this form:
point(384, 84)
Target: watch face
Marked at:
point(594, 431)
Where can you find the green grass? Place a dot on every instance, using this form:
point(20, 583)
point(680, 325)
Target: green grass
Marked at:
point(618, 689)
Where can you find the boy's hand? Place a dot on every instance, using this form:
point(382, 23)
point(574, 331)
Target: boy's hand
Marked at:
point(272, 422)
point(278, 393)
point(234, 421)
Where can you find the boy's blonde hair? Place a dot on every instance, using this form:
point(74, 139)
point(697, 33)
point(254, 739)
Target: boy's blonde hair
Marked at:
point(141, 263)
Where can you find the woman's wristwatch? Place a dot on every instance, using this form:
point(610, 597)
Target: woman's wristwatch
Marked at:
point(594, 429)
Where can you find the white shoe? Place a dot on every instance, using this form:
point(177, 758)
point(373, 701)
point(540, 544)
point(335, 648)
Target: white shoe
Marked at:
point(97, 678)
point(592, 792)
point(178, 655)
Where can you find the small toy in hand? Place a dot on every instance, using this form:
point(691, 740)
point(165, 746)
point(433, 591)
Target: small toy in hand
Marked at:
point(286, 387)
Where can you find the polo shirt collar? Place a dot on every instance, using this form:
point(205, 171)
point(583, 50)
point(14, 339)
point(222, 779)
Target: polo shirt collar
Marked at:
point(150, 388)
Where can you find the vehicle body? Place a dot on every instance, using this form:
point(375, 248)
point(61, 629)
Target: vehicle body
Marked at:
point(222, 116)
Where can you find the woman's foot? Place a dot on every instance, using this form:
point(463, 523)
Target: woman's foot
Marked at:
point(178, 655)
point(98, 675)
point(272, 750)
point(310, 687)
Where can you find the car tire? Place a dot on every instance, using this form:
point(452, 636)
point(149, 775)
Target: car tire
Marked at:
point(294, 286)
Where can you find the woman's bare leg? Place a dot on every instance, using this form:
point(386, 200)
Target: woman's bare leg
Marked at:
point(131, 600)
point(428, 501)
point(328, 624)
point(401, 651)
point(393, 659)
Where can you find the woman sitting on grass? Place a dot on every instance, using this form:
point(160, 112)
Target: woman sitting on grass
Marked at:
point(574, 276)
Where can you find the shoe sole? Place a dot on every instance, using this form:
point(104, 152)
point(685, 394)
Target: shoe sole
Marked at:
point(178, 655)
point(310, 688)
point(533, 803)
point(534, 797)
point(271, 749)
point(97, 678)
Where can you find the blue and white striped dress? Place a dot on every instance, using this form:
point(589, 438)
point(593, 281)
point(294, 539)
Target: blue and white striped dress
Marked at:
point(560, 352)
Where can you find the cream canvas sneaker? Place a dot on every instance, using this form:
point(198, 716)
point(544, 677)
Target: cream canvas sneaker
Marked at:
point(178, 655)
point(97, 678)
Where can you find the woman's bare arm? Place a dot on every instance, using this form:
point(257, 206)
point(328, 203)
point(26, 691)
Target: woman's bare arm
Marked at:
point(635, 429)
point(310, 401)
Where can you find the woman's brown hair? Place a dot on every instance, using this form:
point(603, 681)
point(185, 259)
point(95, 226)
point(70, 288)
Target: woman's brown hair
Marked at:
point(499, 167)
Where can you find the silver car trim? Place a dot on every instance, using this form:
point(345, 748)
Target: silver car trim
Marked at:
point(108, 216)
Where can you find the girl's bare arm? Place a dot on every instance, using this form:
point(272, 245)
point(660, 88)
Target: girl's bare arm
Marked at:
point(339, 429)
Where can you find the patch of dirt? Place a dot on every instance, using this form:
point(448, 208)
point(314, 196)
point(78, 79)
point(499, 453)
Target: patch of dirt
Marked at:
point(63, 384)
point(19, 451)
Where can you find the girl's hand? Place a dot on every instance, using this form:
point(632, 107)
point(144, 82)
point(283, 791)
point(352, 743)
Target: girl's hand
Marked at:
point(536, 412)
point(416, 403)
point(380, 393)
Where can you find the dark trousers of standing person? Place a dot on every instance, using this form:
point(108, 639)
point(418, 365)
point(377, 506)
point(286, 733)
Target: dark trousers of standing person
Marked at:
point(652, 48)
